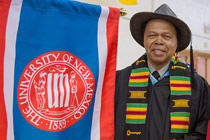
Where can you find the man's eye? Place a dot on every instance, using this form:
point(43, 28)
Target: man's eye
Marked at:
point(167, 36)
point(151, 35)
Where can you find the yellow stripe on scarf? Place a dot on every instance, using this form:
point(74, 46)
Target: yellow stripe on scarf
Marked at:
point(179, 82)
point(181, 88)
point(138, 80)
point(140, 74)
point(180, 118)
point(135, 116)
point(180, 126)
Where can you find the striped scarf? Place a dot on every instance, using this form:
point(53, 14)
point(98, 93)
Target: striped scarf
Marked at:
point(137, 102)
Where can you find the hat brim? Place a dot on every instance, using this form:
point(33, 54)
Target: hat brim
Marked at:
point(138, 21)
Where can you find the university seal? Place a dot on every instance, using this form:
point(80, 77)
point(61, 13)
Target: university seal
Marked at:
point(55, 91)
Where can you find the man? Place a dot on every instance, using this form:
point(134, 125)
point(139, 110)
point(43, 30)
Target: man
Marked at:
point(74, 86)
point(157, 97)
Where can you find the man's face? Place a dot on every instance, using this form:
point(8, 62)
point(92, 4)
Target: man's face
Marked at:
point(160, 41)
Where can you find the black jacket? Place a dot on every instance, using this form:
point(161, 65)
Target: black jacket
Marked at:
point(158, 118)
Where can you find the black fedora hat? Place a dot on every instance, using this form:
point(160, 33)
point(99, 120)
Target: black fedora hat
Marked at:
point(139, 20)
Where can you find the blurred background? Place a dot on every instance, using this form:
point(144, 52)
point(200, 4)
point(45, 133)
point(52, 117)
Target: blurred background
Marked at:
point(196, 13)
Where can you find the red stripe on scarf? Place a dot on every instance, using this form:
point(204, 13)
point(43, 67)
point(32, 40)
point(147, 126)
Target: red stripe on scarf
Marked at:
point(136, 113)
point(180, 122)
point(180, 85)
point(139, 77)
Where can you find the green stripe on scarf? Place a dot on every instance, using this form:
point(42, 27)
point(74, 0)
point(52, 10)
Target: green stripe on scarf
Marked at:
point(180, 78)
point(135, 120)
point(140, 70)
point(179, 130)
point(136, 105)
point(138, 84)
point(177, 114)
point(181, 92)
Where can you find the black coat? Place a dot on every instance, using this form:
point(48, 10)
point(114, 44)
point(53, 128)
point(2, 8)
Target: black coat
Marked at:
point(158, 118)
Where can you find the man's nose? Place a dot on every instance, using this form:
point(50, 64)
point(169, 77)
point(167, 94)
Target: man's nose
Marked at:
point(159, 40)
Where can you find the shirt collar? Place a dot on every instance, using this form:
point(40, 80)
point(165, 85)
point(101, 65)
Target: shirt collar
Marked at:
point(160, 71)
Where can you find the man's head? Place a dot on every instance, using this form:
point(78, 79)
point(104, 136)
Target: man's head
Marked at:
point(140, 20)
point(160, 42)
point(73, 74)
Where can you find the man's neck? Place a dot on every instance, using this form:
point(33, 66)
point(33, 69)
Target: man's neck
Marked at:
point(158, 66)
point(161, 70)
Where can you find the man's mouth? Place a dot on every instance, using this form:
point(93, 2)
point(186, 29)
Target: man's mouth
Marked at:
point(158, 51)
